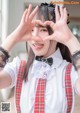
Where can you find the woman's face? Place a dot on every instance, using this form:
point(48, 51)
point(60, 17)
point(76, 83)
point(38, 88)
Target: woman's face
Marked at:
point(44, 48)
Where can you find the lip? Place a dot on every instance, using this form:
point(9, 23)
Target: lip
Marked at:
point(38, 46)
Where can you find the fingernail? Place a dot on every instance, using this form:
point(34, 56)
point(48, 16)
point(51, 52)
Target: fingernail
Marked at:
point(29, 4)
point(37, 7)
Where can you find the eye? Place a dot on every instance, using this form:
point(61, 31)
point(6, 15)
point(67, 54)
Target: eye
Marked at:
point(44, 30)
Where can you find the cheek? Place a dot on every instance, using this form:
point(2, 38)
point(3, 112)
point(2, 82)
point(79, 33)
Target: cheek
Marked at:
point(47, 44)
point(44, 50)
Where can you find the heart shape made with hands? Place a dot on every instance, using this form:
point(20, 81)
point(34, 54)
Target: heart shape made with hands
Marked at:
point(39, 23)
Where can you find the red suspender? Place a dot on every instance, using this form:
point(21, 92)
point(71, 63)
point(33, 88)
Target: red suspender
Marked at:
point(68, 88)
point(40, 96)
point(19, 85)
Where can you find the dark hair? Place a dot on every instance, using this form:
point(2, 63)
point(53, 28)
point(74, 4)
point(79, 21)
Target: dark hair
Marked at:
point(46, 12)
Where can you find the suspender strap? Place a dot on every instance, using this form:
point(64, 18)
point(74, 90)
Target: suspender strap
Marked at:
point(40, 96)
point(19, 85)
point(68, 88)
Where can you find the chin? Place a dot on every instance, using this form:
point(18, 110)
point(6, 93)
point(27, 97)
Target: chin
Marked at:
point(39, 54)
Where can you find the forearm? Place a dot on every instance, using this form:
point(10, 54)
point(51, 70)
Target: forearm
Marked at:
point(7, 46)
point(10, 41)
point(74, 46)
point(5, 79)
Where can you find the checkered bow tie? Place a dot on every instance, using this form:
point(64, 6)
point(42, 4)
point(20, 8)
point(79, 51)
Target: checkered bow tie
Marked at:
point(47, 60)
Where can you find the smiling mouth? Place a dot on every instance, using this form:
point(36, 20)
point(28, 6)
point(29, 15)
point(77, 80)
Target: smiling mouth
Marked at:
point(38, 46)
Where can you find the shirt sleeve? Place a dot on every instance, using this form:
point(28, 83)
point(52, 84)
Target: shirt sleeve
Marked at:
point(12, 69)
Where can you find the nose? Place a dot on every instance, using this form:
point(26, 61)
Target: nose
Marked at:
point(35, 32)
point(36, 35)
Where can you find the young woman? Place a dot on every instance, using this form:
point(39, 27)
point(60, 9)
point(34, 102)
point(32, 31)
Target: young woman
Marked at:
point(48, 81)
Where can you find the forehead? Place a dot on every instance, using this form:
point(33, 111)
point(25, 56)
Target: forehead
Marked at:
point(38, 24)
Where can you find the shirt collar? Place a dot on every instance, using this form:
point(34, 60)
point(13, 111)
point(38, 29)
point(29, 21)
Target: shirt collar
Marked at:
point(57, 58)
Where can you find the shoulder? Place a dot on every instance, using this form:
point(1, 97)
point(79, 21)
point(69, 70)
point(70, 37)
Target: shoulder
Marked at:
point(73, 72)
point(64, 65)
point(14, 64)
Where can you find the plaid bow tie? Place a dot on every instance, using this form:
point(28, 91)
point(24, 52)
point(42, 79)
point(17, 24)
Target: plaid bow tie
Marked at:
point(47, 60)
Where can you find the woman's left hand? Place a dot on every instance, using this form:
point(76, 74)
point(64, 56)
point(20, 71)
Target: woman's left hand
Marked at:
point(61, 31)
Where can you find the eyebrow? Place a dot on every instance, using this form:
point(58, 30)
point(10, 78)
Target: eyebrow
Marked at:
point(37, 25)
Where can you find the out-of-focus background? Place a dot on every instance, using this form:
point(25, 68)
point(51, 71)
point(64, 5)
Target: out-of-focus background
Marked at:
point(10, 15)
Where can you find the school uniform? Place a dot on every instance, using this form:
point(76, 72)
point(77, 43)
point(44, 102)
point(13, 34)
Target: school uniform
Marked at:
point(55, 95)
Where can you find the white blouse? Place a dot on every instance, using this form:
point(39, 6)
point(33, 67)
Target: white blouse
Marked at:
point(55, 99)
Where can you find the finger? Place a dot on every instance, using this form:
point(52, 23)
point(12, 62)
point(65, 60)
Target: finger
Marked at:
point(24, 16)
point(29, 11)
point(50, 37)
point(38, 22)
point(61, 12)
point(49, 23)
point(65, 15)
point(33, 13)
point(57, 13)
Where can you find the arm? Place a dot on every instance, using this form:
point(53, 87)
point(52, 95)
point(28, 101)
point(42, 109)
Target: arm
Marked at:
point(63, 35)
point(22, 33)
point(74, 47)
point(5, 80)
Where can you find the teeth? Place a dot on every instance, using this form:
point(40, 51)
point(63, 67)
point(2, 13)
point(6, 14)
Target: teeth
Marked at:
point(38, 44)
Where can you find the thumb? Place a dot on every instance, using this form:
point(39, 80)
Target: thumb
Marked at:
point(50, 37)
point(49, 23)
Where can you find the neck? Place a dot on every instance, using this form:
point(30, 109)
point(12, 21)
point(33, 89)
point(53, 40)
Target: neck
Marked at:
point(50, 51)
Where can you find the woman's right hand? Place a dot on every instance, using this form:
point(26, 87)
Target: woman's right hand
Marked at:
point(24, 31)
point(26, 25)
